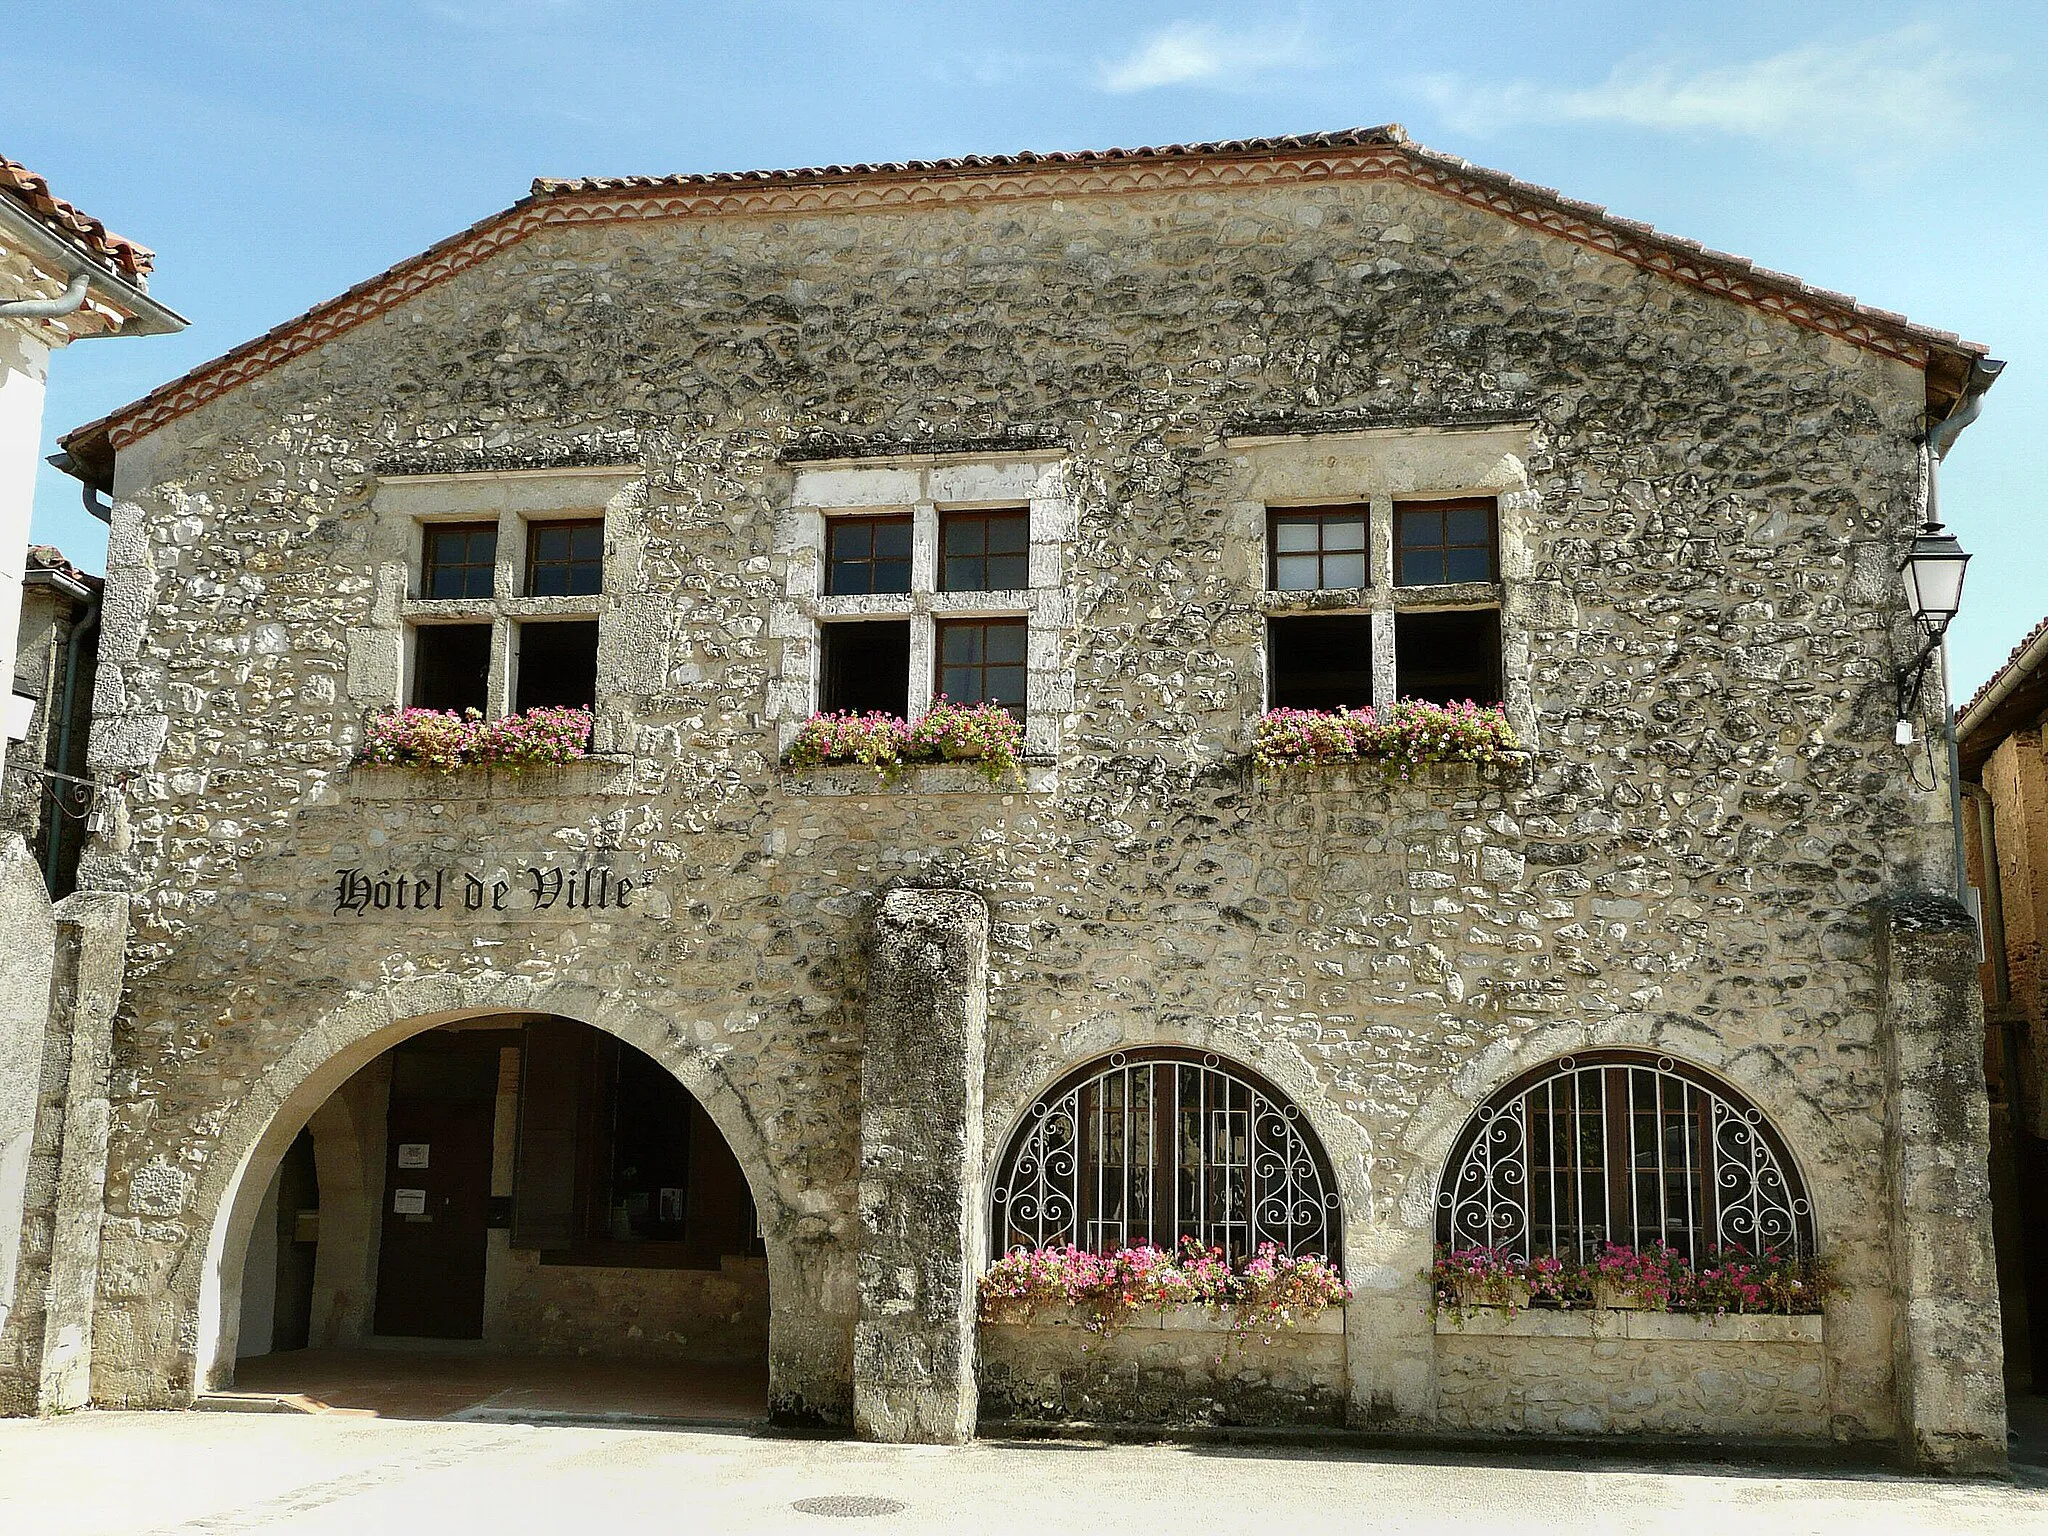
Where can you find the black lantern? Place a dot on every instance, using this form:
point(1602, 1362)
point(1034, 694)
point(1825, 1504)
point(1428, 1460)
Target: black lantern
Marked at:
point(1933, 573)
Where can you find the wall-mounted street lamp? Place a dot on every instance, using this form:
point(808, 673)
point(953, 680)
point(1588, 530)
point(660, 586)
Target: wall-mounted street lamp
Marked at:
point(1933, 573)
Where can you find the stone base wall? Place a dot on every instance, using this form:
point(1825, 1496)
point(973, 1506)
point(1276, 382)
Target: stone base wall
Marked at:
point(1181, 1367)
point(1632, 1373)
point(644, 1314)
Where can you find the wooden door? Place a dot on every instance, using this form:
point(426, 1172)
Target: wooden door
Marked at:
point(430, 1271)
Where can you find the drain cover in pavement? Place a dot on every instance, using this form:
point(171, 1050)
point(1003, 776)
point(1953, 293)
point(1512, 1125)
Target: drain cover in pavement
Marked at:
point(848, 1504)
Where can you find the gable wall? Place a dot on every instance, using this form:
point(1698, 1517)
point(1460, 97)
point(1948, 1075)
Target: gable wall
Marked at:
point(1718, 500)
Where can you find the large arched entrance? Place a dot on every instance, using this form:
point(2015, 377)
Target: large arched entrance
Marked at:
point(496, 1213)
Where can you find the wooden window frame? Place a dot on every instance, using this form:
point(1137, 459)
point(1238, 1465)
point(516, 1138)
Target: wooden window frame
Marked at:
point(536, 528)
point(1443, 507)
point(943, 626)
point(952, 518)
point(1321, 517)
point(430, 567)
point(839, 524)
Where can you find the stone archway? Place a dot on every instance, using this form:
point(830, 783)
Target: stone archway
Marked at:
point(809, 1337)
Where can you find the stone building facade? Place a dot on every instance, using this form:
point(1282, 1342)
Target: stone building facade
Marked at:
point(1697, 479)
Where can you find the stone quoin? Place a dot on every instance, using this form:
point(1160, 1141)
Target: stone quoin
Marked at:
point(1131, 446)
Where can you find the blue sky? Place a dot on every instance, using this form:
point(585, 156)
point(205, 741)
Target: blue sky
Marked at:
point(274, 154)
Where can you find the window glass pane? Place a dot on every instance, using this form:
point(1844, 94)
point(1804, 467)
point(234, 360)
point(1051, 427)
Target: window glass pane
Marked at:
point(851, 579)
point(1418, 527)
point(1296, 573)
point(459, 560)
point(1003, 685)
point(961, 642)
point(1422, 567)
point(1469, 525)
point(1008, 573)
point(1344, 533)
point(1344, 570)
point(868, 554)
point(892, 575)
point(1469, 564)
point(1294, 536)
point(964, 535)
point(564, 558)
point(961, 684)
point(852, 539)
point(1006, 642)
point(1009, 533)
point(892, 540)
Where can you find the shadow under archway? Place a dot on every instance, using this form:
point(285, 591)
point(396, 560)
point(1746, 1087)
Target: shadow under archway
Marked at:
point(808, 1348)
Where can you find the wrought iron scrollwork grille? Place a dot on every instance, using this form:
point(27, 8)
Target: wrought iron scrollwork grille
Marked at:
point(1153, 1146)
point(1627, 1148)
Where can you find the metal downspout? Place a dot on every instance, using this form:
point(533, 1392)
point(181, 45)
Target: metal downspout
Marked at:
point(65, 303)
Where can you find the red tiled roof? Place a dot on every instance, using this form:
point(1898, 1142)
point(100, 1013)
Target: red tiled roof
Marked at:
point(1385, 152)
point(121, 255)
point(2005, 666)
point(48, 557)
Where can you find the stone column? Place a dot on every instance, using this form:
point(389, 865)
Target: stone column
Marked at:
point(57, 1000)
point(31, 941)
point(1948, 1360)
point(920, 1169)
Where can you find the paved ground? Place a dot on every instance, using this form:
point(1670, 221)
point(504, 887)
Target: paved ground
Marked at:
point(214, 1474)
point(396, 1384)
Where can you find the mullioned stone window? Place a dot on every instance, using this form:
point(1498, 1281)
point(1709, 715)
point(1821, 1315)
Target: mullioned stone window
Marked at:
point(490, 590)
point(1389, 563)
point(913, 576)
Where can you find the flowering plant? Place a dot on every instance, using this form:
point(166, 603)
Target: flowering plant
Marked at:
point(1657, 1277)
point(1487, 1277)
point(1268, 1291)
point(986, 735)
point(1400, 737)
point(1735, 1280)
point(445, 740)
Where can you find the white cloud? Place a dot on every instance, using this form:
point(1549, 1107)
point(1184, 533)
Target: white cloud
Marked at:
point(1900, 87)
point(1201, 53)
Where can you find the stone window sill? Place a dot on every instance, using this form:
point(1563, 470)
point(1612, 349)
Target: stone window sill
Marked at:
point(1516, 772)
point(1041, 777)
point(1178, 1320)
point(1605, 1324)
point(594, 775)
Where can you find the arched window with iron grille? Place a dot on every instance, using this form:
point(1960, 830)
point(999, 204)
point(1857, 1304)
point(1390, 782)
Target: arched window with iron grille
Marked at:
point(1622, 1147)
point(1150, 1146)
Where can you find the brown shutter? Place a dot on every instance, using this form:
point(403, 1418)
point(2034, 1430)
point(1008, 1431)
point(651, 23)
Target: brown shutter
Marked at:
point(550, 1095)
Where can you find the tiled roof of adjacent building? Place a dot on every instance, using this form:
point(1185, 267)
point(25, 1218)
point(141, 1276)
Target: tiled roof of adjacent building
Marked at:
point(117, 253)
point(1382, 153)
point(2012, 698)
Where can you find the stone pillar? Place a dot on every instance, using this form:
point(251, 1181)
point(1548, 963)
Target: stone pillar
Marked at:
point(31, 941)
point(1948, 1360)
point(922, 1223)
point(57, 1002)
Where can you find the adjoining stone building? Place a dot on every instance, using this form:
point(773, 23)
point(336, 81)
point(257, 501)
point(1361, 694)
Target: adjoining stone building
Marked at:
point(2005, 819)
point(700, 1055)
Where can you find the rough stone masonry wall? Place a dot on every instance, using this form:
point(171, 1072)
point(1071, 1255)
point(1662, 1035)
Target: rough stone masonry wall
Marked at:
point(1719, 499)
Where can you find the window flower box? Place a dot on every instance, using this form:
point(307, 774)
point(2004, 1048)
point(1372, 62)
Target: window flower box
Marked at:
point(1268, 1293)
point(984, 737)
point(1397, 740)
point(446, 741)
point(1655, 1279)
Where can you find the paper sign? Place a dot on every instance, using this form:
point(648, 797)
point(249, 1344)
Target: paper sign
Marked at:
point(412, 1154)
point(408, 1202)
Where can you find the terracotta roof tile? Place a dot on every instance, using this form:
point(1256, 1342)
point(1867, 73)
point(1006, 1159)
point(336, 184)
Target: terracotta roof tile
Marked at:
point(2005, 666)
point(120, 255)
point(1385, 151)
